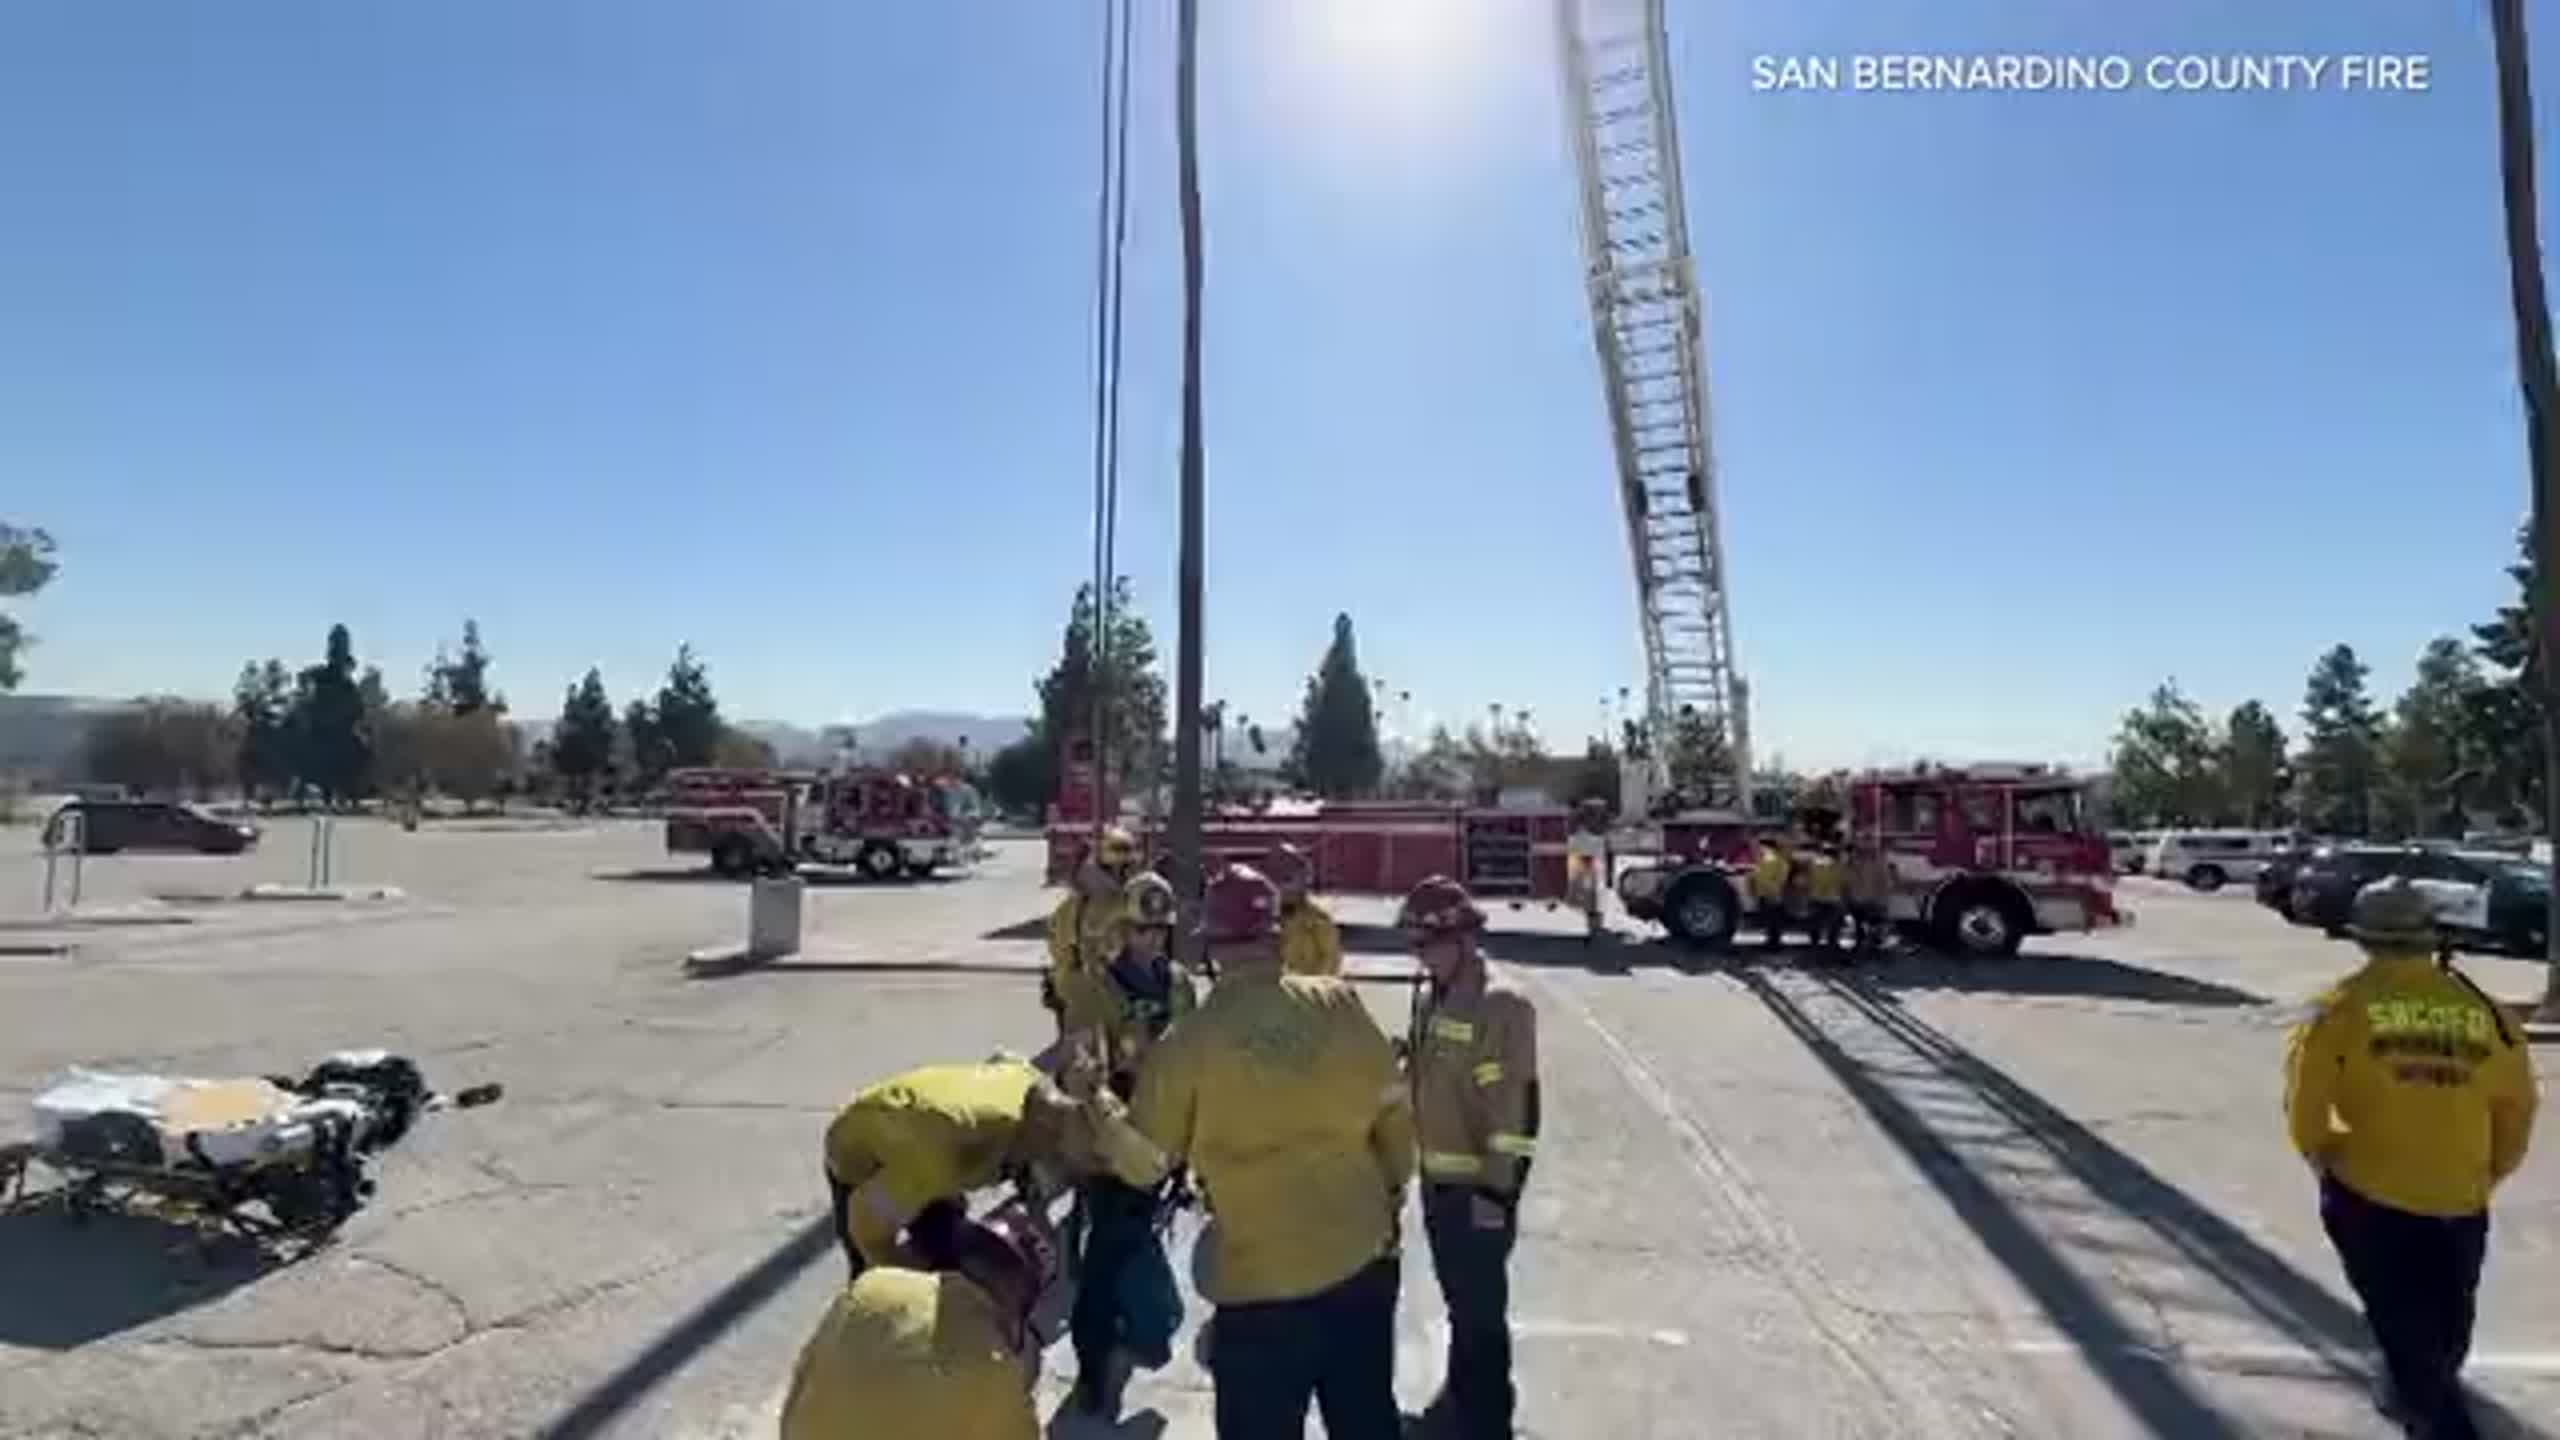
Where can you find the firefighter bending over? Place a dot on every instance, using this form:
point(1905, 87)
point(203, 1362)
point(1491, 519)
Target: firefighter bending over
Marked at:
point(1283, 1093)
point(1475, 1108)
point(1310, 943)
point(2412, 1097)
point(1087, 930)
point(902, 1157)
point(948, 1353)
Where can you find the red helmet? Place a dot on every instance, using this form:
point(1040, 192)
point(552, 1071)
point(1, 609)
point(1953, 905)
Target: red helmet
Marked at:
point(1439, 905)
point(1242, 905)
point(1017, 1234)
point(1289, 865)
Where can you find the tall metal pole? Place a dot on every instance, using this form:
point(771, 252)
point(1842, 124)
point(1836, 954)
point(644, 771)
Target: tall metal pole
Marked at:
point(2536, 374)
point(1186, 707)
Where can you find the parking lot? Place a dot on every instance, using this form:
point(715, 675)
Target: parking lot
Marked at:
point(2042, 1197)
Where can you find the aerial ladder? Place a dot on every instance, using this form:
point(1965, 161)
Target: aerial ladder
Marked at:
point(1645, 320)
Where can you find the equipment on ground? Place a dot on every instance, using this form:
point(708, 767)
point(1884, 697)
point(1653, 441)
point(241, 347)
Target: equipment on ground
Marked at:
point(768, 822)
point(274, 1159)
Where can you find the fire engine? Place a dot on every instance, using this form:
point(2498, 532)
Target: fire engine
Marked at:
point(878, 822)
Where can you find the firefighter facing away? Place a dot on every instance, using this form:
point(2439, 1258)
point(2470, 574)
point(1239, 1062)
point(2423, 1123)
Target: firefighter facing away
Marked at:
point(1310, 943)
point(904, 1154)
point(2412, 1097)
point(1474, 1052)
point(1283, 1094)
point(1087, 929)
point(949, 1353)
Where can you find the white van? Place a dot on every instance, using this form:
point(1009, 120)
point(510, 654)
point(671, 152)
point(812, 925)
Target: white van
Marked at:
point(2210, 859)
point(2131, 849)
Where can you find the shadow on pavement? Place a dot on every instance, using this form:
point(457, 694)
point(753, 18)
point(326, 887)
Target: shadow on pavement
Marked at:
point(69, 1283)
point(705, 875)
point(688, 1337)
point(2331, 1329)
point(733, 969)
point(1067, 1424)
point(2085, 976)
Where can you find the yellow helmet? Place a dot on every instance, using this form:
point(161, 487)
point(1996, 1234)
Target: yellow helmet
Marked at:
point(1118, 851)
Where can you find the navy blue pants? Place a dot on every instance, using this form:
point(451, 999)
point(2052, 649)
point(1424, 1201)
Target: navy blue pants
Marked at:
point(2419, 1279)
point(1474, 1265)
point(1337, 1348)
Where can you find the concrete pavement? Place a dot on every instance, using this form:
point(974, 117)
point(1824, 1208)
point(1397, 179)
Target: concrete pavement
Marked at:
point(2040, 1198)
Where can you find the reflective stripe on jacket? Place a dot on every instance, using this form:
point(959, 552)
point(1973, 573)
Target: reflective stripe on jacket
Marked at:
point(1475, 1087)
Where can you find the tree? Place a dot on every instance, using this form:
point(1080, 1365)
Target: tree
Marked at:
point(649, 756)
point(924, 758)
point(466, 755)
point(738, 750)
point(2254, 774)
point(2504, 722)
point(262, 718)
point(1136, 714)
point(1442, 770)
point(460, 684)
point(1023, 776)
point(1502, 758)
point(1336, 751)
point(582, 742)
point(1701, 755)
point(686, 714)
point(2341, 743)
point(2429, 753)
point(163, 746)
point(1596, 778)
point(26, 566)
point(331, 734)
point(2164, 762)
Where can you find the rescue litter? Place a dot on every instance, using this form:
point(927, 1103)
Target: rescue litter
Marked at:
point(2184, 73)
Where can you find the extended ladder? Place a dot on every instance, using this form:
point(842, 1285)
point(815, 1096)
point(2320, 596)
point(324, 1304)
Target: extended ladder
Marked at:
point(1645, 320)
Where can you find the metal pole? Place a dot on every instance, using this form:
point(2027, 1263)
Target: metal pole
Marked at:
point(1186, 708)
point(2536, 374)
point(78, 830)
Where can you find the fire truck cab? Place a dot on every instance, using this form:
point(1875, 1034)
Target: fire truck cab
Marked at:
point(1982, 856)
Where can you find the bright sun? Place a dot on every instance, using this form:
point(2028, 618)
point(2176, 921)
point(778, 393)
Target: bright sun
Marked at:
point(1410, 66)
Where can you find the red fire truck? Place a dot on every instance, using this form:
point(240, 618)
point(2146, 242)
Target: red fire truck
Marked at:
point(1982, 856)
point(883, 824)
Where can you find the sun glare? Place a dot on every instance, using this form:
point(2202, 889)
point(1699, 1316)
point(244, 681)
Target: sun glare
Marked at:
point(1414, 67)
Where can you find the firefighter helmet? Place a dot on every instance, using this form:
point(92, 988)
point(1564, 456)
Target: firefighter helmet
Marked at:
point(2392, 915)
point(1439, 905)
point(1014, 1236)
point(1288, 865)
point(1151, 899)
point(1243, 904)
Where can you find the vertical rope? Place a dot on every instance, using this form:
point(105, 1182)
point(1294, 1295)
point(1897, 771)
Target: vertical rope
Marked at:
point(1110, 205)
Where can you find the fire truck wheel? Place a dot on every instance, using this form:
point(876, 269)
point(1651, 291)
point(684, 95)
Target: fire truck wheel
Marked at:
point(880, 862)
point(1979, 922)
point(732, 857)
point(1700, 912)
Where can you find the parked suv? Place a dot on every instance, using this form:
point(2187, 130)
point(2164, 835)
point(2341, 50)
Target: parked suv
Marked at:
point(2483, 900)
point(107, 826)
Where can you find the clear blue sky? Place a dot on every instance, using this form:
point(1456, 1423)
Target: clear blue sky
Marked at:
point(616, 323)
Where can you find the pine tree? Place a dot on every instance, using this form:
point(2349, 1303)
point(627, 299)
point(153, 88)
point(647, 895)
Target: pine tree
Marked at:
point(459, 684)
point(2254, 773)
point(2164, 762)
point(686, 713)
point(1138, 707)
point(2341, 740)
point(582, 742)
point(332, 734)
point(1336, 751)
point(2429, 750)
point(262, 715)
point(2504, 714)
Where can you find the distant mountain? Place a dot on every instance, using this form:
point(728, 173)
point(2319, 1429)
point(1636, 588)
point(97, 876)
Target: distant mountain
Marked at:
point(880, 738)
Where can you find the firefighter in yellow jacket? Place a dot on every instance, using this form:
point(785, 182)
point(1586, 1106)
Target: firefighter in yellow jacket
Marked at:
point(1310, 943)
point(904, 1154)
point(2412, 1097)
point(946, 1353)
point(1474, 1051)
point(1087, 930)
point(1283, 1094)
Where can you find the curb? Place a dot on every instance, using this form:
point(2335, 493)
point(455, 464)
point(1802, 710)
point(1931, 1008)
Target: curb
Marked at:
point(94, 919)
point(324, 892)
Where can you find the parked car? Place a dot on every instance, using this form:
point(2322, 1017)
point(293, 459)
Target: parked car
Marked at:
point(2210, 859)
point(107, 826)
point(2131, 849)
point(2275, 878)
point(2484, 900)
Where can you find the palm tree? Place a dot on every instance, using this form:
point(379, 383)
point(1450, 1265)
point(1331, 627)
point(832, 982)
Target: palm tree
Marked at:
point(2535, 373)
point(1186, 739)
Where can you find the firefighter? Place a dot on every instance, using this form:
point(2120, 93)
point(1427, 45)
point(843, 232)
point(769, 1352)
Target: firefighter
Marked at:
point(1822, 893)
point(903, 1155)
point(1125, 1293)
point(1474, 1051)
point(2411, 1097)
point(1870, 892)
point(1770, 877)
point(949, 1353)
point(1086, 930)
point(1310, 943)
point(1283, 1094)
point(1586, 858)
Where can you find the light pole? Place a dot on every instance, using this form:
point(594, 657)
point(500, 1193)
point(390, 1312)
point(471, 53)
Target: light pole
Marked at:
point(2541, 386)
point(1186, 709)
